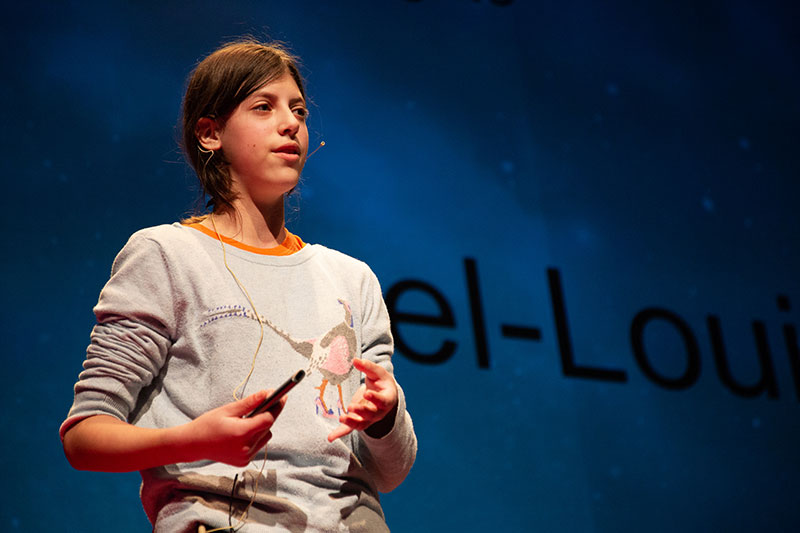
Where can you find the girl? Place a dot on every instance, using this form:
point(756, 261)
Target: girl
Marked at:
point(199, 315)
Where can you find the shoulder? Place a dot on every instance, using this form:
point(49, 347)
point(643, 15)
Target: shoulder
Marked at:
point(165, 238)
point(339, 259)
point(353, 272)
point(156, 244)
point(164, 235)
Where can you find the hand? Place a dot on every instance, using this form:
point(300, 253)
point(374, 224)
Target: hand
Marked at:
point(223, 435)
point(373, 401)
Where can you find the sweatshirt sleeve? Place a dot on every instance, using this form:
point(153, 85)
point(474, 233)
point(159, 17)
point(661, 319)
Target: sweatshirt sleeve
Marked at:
point(134, 330)
point(390, 457)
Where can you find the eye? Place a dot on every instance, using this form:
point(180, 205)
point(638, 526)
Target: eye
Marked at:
point(266, 106)
point(301, 112)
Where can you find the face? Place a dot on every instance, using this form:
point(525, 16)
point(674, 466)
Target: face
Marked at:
point(265, 141)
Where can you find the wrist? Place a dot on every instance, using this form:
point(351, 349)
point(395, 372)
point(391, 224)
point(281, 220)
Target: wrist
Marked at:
point(179, 444)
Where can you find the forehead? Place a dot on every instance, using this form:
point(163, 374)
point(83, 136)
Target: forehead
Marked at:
point(284, 85)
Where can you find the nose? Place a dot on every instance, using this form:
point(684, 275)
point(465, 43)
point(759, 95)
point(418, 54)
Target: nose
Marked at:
point(289, 123)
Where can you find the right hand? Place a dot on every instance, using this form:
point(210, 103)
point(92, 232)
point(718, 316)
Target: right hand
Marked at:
point(223, 435)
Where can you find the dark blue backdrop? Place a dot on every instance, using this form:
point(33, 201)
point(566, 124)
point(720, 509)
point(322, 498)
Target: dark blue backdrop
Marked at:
point(601, 194)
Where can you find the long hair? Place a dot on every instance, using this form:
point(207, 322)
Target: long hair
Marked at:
point(218, 84)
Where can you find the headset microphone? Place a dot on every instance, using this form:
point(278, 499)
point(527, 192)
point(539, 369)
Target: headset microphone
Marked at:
point(315, 150)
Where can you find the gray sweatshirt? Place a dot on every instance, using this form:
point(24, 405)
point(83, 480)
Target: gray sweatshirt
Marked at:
point(175, 335)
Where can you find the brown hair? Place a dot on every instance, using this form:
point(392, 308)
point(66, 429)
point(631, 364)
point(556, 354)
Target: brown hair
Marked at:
point(217, 85)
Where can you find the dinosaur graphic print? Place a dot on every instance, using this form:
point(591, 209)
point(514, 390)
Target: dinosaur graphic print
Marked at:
point(332, 355)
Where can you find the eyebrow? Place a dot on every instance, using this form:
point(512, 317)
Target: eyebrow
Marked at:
point(264, 93)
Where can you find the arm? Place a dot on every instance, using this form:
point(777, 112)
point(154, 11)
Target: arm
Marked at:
point(107, 444)
point(136, 325)
point(385, 441)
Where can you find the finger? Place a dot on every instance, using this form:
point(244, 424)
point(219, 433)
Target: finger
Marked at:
point(260, 444)
point(353, 420)
point(261, 422)
point(278, 407)
point(364, 410)
point(373, 371)
point(247, 404)
point(339, 432)
point(380, 400)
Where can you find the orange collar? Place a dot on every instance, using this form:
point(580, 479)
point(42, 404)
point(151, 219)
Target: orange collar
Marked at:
point(291, 244)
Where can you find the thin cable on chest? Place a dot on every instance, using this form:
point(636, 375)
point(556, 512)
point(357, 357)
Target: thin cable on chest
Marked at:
point(238, 394)
point(241, 286)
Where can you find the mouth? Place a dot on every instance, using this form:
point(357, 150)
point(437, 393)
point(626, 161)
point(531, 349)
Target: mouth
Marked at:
point(288, 149)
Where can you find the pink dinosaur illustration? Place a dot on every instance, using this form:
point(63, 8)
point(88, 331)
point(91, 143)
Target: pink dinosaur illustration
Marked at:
point(332, 355)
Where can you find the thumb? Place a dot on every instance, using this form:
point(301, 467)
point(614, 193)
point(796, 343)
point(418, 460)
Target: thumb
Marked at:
point(245, 405)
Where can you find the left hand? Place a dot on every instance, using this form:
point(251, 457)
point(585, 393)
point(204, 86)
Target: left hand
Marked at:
point(371, 403)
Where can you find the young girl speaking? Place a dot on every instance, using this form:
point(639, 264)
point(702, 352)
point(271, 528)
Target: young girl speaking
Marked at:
point(198, 316)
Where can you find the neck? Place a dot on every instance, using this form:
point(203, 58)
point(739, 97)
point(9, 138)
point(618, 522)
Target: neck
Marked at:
point(258, 226)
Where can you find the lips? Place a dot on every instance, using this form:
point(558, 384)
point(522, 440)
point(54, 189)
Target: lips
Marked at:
point(288, 148)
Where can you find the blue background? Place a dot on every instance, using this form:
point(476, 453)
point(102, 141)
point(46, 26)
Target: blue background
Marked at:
point(647, 151)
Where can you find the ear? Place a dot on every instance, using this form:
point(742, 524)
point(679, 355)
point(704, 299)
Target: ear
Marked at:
point(208, 132)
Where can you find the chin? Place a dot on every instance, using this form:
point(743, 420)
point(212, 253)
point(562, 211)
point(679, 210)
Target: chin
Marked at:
point(285, 179)
point(290, 187)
